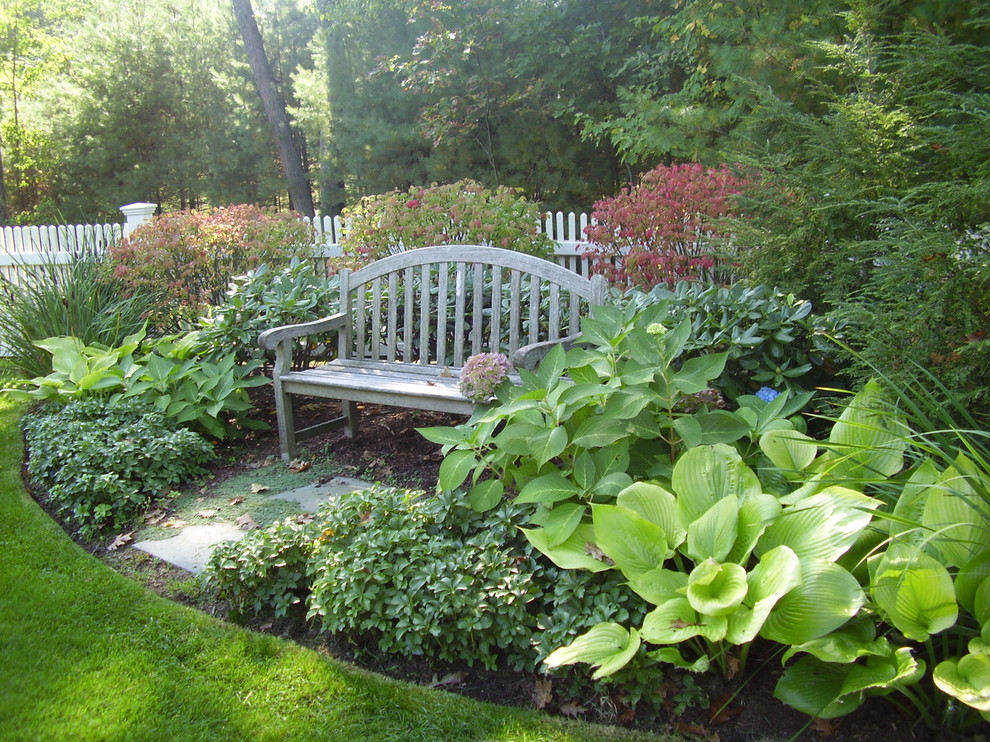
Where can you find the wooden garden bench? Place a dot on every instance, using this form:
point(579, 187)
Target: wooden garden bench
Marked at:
point(409, 321)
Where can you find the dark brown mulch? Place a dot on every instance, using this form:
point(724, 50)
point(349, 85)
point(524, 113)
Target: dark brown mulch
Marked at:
point(389, 449)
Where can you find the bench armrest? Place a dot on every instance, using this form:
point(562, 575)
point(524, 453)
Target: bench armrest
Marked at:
point(270, 339)
point(529, 356)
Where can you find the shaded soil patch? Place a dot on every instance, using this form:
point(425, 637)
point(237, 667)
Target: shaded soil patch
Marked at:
point(388, 449)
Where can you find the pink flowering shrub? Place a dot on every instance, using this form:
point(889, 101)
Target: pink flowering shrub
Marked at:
point(461, 213)
point(482, 374)
point(190, 257)
point(661, 230)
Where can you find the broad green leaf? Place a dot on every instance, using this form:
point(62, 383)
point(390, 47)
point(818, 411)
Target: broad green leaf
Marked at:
point(653, 502)
point(574, 393)
point(713, 535)
point(778, 572)
point(548, 444)
point(607, 646)
point(635, 544)
point(716, 589)
point(694, 375)
point(611, 485)
point(659, 585)
point(485, 495)
point(688, 430)
point(910, 506)
point(756, 513)
point(869, 437)
point(675, 621)
point(971, 577)
point(966, 679)
point(822, 526)
point(846, 644)
point(577, 552)
point(826, 598)
point(706, 474)
point(815, 688)
point(915, 592)
point(514, 439)
point(455, 468)
point(958, 514)
point(720, 426)
point(788, 449)
point(627, 403)
point(598, 431)
point(443, 436)
point(674, 340)
point(552, 366)
point(548, 488)
point(583, 470)
point(561, 522)
point(673, 656)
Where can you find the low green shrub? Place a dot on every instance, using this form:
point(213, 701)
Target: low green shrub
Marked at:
point(81, 298)
point(770, 338)
point(461, 213)
point(264, 298)
point(191, 256)
point(171, 374)
point(103, 462)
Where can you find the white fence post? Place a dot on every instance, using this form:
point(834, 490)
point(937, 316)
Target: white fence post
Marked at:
point(135, 215)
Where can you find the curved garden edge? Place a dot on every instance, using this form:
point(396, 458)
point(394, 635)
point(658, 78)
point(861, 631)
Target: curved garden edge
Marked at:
point(89, 654)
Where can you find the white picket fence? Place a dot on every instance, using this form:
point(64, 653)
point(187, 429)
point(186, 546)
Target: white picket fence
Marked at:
point(22, 247)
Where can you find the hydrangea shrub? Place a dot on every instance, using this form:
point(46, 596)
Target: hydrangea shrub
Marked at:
point(482, 374)
point(461, 213)
point(662, 229)
point(191, 256)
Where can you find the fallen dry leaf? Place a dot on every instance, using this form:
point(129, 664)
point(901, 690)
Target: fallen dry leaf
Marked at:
point(542, 692)
point(297, 465)
point(824, 727)
point(174, 524)
point(200, 499)
point(256, 488)
point(304, 518)
point(572, 710)
point(366, 516)
point(235, 500)
point(155, 517)
point(122, 539)
point(627, 714)
point(732, 666)
point(207, 513)
point(452, 678)
point(246, 522)
point(720, 711)
point(685, 728)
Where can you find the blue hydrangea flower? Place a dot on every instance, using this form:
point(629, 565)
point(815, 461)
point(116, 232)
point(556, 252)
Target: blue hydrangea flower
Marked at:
point(768, 394)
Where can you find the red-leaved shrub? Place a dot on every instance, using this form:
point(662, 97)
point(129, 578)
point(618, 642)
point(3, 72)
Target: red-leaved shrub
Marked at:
point(189, 257)
point(661, 230)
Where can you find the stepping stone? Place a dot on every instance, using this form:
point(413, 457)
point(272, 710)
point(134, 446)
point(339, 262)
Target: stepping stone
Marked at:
point(191, 549)
point(311, 496)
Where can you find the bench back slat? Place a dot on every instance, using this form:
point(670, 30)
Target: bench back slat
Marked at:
point(434, 305)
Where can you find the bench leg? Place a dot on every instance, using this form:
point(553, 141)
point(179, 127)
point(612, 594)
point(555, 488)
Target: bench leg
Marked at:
point(286, 423)
point(350, 411)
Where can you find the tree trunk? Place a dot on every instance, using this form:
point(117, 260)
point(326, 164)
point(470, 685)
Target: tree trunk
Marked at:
point(300, 193)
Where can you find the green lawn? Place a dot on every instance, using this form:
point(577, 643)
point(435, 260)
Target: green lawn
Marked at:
point(86, 654)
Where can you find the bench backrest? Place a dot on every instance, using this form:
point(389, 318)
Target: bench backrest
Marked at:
point(443, 304)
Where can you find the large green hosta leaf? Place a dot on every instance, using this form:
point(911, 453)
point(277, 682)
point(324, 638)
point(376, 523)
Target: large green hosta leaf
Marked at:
point(828, 690)
point(577, 552)
point(635, 544)
point(713, 535)
point(778, 572)
point(715, 589)
point(846, 644)
point(915, 591)
point(869, 438)
point(656, 504)
point(967, 679)
point(756, 513)
point(957, 514)
point(659, 585)
point(607, 646)
point(789, 450)
point(826, 598)
point(675, 621)
point(707, 474)
point(822, 526)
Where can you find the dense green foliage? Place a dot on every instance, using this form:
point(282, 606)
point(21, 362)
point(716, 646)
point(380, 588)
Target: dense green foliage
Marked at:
point(264, 298)
point(103, 462)
point(81, 298)
point(176, 375)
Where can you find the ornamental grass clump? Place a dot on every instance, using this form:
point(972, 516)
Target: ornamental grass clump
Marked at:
point(482, 375)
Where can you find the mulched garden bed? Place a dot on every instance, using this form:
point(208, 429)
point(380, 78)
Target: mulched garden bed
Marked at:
point(388, 449)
